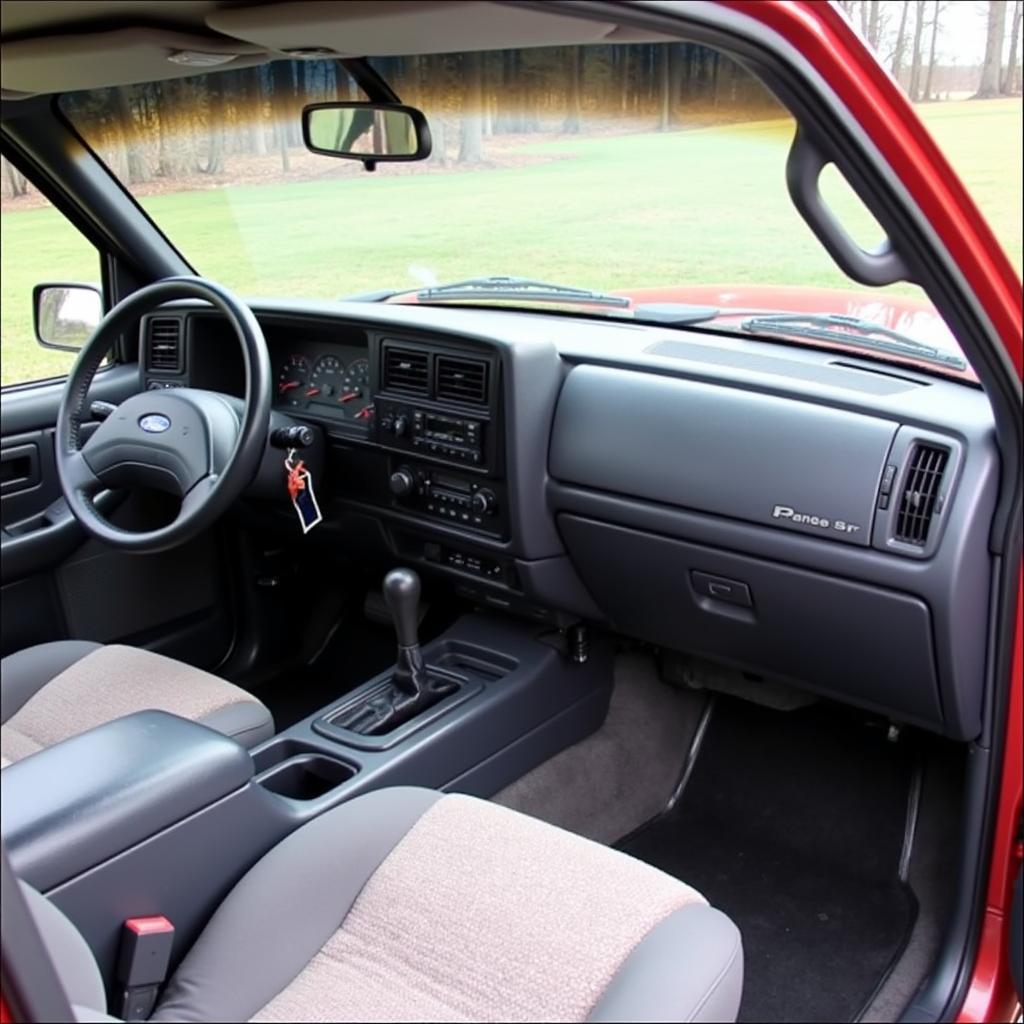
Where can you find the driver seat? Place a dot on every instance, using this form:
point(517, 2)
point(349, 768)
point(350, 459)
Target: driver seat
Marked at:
point(53, 691)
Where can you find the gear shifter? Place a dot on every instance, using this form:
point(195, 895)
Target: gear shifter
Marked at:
point(402, 595)
point(411, 688)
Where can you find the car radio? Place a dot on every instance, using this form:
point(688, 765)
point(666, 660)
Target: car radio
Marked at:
point(446, 496)
point(430, 434)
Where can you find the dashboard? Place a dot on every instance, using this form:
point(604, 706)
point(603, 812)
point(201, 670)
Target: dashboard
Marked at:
point(807, 517)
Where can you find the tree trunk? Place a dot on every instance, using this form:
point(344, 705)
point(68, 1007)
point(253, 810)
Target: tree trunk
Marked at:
point(901, 43)
point(915, 60)
point(936, 12)
point(217, 108)
point(664, 87)
point(874, 22)
point(282, 77)
point(15, 179)
point(125, 119)
point(254, 108)
point(471, 146)
point(572, 116)
point(1010, 86)
point(992, 68)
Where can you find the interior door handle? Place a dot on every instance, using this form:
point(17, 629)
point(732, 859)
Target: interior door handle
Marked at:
point(19, 468)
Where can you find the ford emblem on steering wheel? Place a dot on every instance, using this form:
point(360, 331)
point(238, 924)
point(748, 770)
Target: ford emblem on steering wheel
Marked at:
point(154, 423)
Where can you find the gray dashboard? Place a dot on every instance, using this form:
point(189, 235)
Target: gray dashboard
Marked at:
point(804, 515)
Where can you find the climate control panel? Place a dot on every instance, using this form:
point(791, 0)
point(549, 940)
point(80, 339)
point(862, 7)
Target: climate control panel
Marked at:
point(458, 500)
point(431, 434)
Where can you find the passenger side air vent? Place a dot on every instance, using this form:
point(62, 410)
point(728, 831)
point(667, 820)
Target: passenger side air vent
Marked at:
point(917, 502)
point(165, 345)
point(462, 380)
point(406, 370)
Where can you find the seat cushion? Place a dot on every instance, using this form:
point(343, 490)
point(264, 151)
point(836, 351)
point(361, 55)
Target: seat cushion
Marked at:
point(408, 905)
point(55, 691)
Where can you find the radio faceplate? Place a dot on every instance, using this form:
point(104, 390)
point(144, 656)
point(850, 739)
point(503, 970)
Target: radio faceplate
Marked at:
point(456, 500)
point(432, 434)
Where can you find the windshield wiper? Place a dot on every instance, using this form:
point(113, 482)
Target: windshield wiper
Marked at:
point(850, 330)
point(500, 287)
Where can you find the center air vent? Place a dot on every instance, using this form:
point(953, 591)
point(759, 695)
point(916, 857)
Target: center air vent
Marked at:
point(917, 502)
point(165, 345)
point(462, 380)
point(406, 370)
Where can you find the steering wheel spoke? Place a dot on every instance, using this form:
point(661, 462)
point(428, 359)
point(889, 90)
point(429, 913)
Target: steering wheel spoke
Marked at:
point(79, 475)
point(197, 495)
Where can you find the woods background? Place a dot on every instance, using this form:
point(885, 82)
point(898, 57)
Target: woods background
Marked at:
point(184, 133)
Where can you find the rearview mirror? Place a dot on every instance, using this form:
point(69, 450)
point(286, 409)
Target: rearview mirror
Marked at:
point(366, 131)
point(66, 315)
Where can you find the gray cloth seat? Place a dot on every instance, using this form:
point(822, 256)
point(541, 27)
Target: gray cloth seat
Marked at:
point(407, 904)
point(53, 691)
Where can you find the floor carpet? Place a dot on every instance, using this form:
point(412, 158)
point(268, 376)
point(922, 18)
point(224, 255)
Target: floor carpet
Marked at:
point(792, 823)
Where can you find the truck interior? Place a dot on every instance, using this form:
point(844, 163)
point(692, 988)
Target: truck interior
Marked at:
point(319, 612)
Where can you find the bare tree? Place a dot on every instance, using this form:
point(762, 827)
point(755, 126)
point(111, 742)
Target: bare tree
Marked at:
point(874, 22)
point(936, 15)
point(572, 115)
point(915, 58)
point(1009, 85)
point(864, 18)
point(991, 70)
point(664, 87)
point(16, 181)
point(901, 43)
point(217, 110)
point(470, 148)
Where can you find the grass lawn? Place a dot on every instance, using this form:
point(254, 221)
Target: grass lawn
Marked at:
point(699, 206)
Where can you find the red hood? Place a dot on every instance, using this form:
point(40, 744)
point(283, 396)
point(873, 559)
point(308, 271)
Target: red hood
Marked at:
point(909, 315)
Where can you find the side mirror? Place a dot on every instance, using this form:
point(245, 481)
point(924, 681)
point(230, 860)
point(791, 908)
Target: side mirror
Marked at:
point(366, 131)
point(66, 315)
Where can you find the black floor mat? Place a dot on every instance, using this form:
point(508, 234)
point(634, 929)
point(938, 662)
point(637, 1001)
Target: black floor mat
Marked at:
point(792, 824)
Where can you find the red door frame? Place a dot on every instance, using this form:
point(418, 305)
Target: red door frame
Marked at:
point(883, 111)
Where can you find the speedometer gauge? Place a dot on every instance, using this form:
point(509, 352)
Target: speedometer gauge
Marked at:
point(354, 397)
point(292, 380)
point(325, 384)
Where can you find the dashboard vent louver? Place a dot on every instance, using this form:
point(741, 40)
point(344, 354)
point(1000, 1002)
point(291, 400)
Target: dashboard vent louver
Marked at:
point(406, 370)
point(165, 345)
point(917, 502)
point(462, 380)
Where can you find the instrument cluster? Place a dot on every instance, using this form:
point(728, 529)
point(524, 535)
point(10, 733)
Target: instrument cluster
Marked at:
point(321, 380)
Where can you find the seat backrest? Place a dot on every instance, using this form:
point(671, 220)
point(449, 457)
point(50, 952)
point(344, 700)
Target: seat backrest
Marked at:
point(49, 972)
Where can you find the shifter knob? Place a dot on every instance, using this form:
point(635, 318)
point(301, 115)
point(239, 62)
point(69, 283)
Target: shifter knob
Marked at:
point(402, 594)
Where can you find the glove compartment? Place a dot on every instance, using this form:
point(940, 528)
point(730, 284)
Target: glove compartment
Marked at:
point(853, 641)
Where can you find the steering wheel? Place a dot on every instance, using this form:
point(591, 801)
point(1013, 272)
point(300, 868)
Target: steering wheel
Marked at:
point(195, 444)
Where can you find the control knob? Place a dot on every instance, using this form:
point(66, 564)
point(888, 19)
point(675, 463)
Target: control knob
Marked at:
point(402, 482)
point(401, 425)
point(484, 502)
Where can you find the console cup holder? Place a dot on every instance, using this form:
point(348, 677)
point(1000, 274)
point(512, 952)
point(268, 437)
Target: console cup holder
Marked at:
point(291, 769)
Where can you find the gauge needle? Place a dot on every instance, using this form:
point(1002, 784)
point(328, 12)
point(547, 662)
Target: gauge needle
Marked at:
point(365, 414)
point(349, 396)
point(312, 391)
point(288, 385)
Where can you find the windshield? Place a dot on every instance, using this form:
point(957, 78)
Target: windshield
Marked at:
point(650, 171)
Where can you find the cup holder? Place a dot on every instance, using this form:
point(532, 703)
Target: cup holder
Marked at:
point(293, 770)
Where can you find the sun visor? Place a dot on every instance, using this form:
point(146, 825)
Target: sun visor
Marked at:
point(361, 29)
point(86, 60)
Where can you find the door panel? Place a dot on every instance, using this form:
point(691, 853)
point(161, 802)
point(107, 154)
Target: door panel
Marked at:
point(58, 583)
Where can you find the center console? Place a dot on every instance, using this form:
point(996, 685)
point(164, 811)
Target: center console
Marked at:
point(151, 814)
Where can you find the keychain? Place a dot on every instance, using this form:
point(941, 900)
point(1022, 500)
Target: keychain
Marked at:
point(300, 491)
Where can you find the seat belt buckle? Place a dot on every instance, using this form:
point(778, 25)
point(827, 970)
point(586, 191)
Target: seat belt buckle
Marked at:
point(142, 964)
